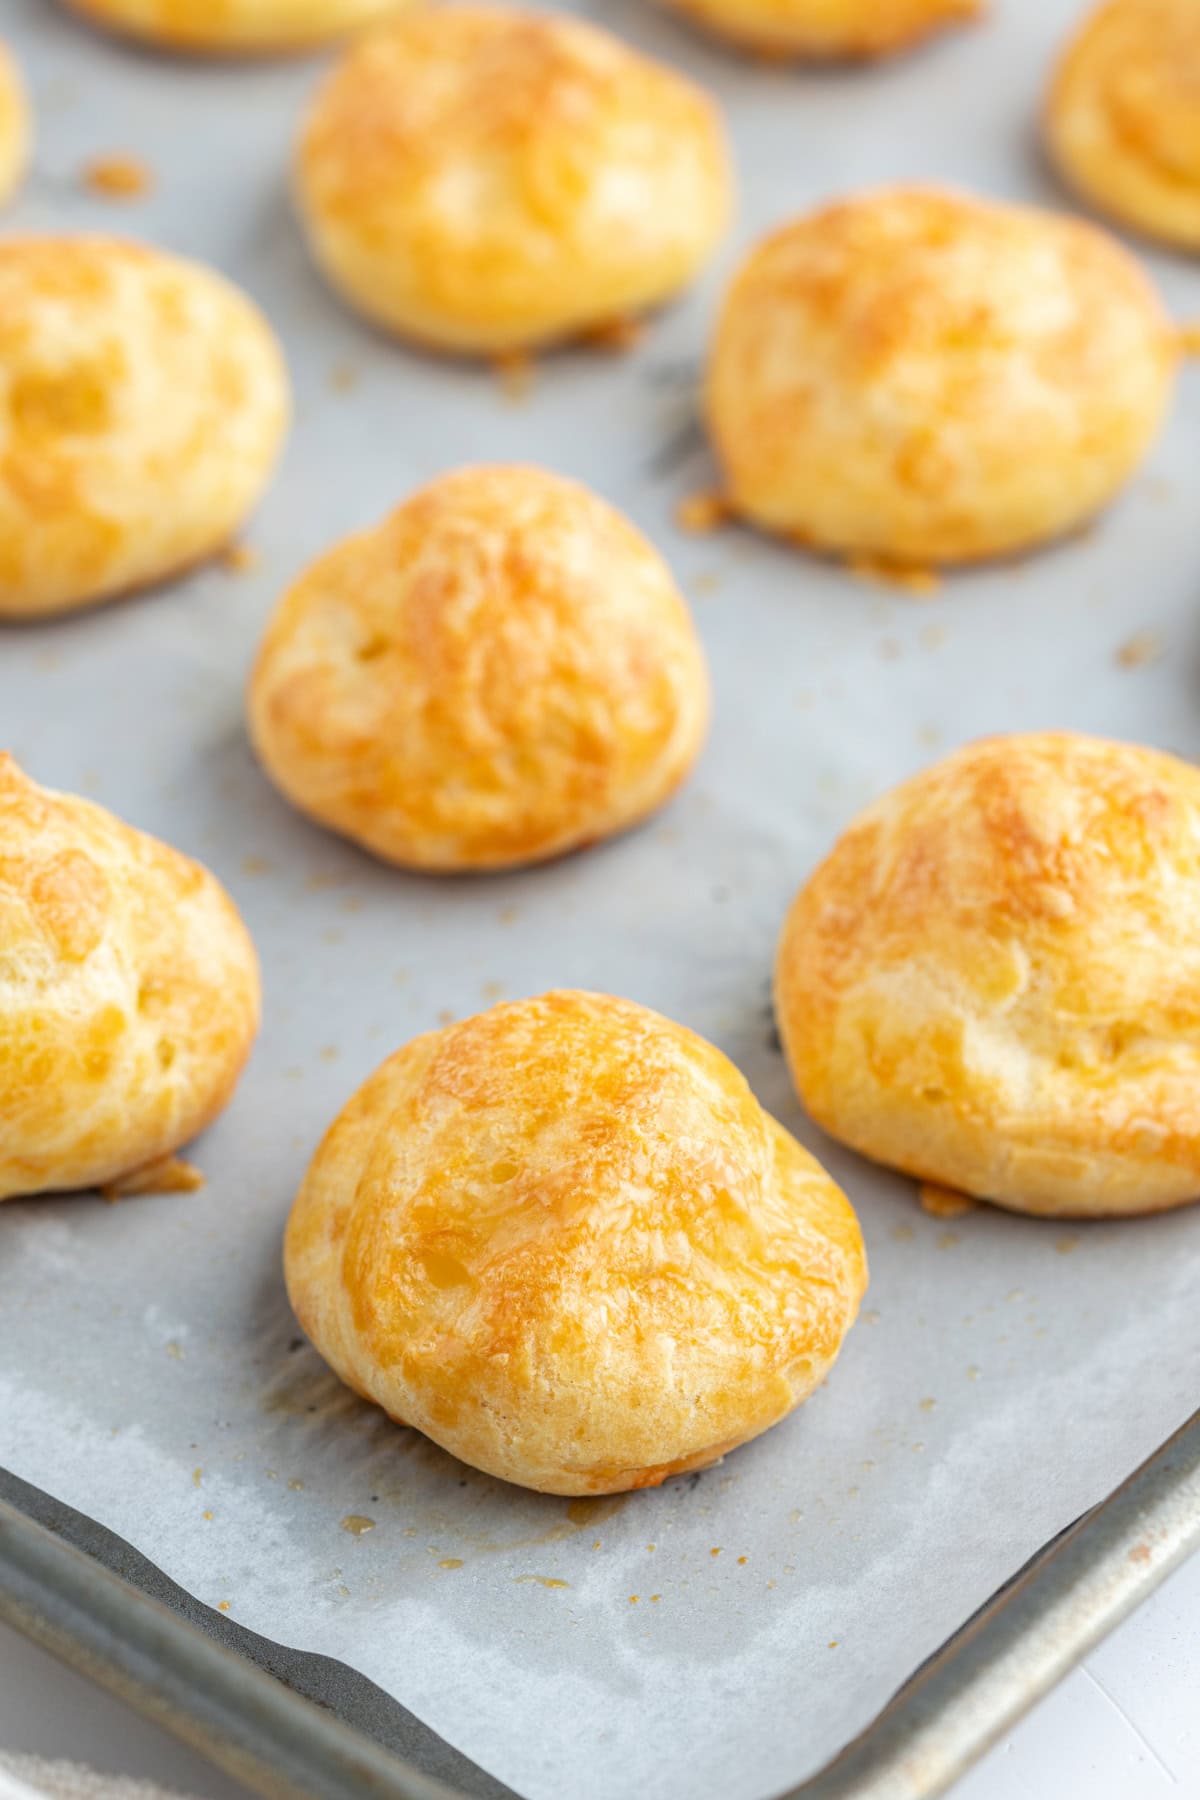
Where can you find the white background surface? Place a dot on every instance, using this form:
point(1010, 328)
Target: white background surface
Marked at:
point(1125, 1726)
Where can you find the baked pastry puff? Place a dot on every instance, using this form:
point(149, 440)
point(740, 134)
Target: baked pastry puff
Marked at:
point(14, 127)
point(129, 994)
point(1123, 116)
point(924, 377)
point(564, 1241)
point(223, 27)
point(143, 401)
point(502, 671)
point(481, 180)
point(820, 29)
point(993, 982)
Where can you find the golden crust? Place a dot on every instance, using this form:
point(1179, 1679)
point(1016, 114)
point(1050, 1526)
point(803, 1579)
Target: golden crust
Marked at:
point(993, 982)
point(827, 28)
point(482, 179)
point(143, 401)
point(564, 1240)
point(240, 27)
point(500, 672)
point(1123, 116)
point(14, 127)
point(129, 993)
point(933, 378)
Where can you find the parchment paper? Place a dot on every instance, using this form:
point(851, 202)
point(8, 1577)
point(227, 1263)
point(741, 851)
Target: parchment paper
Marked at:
point(724, 1636)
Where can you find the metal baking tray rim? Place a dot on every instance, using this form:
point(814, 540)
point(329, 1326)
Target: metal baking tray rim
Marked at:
point(264, 1713)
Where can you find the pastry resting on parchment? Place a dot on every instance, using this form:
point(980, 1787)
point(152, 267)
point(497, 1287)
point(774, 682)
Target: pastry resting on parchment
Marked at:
point(564, 1240)
point(14, 126)
point(820, 29)
point(231, 27)
point(129, 995)
point(1123, 116)
point(923, 377)
point(503, 670)
point(143, 403)
point(993, 980)
point(487, 180)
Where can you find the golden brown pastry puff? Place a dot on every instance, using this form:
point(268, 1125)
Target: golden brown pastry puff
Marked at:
point(503, 670)
point(235, 26)
point(564, 1241)
point(827, 28)
point(927, 377)
point(143, 401)
point(1123, 116)
point(14, 127)
point(129, 993)
point(993, 982)
point(481, 179)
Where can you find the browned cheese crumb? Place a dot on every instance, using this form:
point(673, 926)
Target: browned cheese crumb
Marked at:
point(514, 371)
point(943, 1202)
point(1142, 648)
point(169, 1175)
point(118, 177)
point(880, 571)
point(239, 559)
point(703, 512)
point(615, 335)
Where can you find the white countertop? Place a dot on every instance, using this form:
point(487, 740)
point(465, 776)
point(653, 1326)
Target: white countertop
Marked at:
point(1124, 1726)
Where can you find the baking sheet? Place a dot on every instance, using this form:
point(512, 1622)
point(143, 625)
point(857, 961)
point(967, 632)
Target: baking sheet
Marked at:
point(725, 1635)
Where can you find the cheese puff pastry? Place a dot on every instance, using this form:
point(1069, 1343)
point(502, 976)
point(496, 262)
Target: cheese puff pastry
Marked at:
point(238, 27)
point(827, 28)
point(993, 982)
point(480, 179)
point(129, 994)
point(1123, 116)
point(503, 670)
point(14, 127)
point(925, 377)
point(564, 1241)
point(143, 401)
